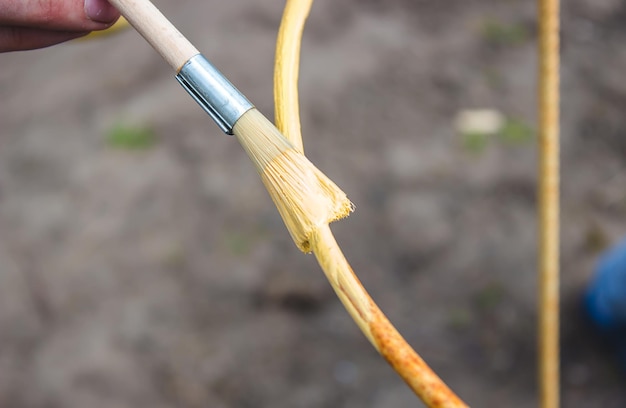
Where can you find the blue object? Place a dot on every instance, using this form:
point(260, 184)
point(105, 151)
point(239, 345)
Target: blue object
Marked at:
point(605, 299)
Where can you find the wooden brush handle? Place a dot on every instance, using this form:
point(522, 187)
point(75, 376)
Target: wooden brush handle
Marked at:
point(157, 30)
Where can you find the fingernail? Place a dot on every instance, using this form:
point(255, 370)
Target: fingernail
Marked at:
point(100, 11)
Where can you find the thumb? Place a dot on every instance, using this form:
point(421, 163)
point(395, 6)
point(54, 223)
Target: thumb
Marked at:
point(66, 15)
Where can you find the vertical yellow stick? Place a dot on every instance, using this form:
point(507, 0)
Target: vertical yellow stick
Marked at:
point(548, 12)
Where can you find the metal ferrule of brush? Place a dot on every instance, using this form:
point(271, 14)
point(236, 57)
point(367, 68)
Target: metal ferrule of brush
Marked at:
point(217, 96)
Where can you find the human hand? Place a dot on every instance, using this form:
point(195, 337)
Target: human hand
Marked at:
point(30, 24)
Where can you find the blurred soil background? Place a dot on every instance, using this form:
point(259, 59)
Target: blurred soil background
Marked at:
point(143, 264)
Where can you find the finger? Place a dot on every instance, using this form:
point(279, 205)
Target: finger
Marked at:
point(65, 15)
point(23, 38)
point(100, 11)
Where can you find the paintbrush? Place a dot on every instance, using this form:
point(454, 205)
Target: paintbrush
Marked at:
point(306, 199)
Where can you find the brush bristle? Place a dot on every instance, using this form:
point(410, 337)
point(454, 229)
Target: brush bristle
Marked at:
point(306, 199)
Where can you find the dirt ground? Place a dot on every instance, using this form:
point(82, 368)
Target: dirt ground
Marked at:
point(160, 274)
